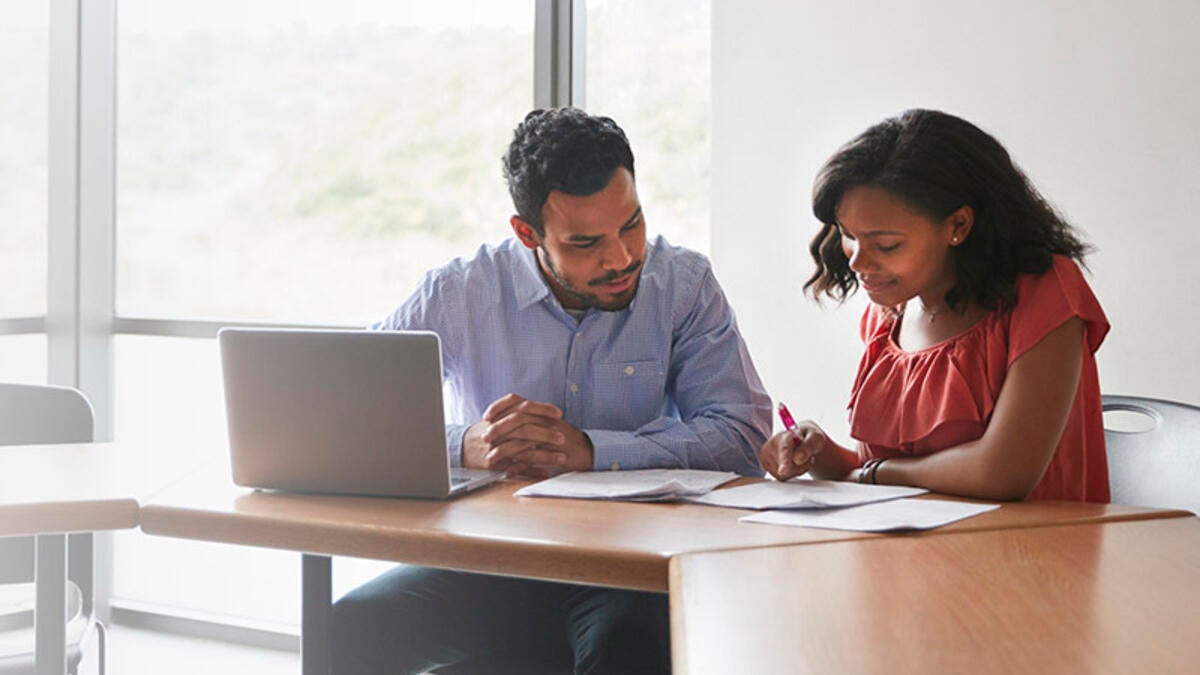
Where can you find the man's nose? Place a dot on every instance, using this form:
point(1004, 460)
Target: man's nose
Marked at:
point(617, 255)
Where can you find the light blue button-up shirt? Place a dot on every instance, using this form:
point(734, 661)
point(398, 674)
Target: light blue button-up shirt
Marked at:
point(665, 382)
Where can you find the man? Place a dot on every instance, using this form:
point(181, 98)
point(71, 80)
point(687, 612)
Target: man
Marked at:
point(574, 345)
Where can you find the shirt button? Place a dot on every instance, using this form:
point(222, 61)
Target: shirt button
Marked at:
point(574, 389)
point(629, 370)
point(615, 466)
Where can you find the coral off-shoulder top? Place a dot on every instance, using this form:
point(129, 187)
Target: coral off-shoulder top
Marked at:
point(916, 403)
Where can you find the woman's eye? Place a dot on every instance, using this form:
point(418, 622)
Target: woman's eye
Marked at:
point(889, 247)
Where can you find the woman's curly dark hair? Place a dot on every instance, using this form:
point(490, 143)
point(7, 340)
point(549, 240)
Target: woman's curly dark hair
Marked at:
point(562, 149)
point(937, 163)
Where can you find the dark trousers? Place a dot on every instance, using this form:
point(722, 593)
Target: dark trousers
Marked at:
point(415, 619)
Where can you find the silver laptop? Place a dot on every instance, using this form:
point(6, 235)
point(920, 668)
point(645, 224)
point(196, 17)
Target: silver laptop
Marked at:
point(340, 411)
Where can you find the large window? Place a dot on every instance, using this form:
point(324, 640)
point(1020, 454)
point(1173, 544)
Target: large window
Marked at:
point(302, 163)
point(288, 163)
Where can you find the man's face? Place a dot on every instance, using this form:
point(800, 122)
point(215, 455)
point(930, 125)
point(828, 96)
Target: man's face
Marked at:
point(592, 252)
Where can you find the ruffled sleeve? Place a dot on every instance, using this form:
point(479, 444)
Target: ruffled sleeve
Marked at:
point(869, 324)
point(1047, 301)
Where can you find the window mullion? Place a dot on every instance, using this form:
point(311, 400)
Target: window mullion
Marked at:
point(97, 206)
point(559, 53)
point(62, 318)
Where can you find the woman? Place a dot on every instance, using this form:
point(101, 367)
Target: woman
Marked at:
point(979, 375)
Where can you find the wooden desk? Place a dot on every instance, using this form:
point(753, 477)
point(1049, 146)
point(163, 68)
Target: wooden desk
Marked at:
point(1110, 598)
point(618, 544)
point(48, 491)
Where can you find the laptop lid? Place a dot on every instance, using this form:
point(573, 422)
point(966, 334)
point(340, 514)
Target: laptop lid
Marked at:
point(341, 411)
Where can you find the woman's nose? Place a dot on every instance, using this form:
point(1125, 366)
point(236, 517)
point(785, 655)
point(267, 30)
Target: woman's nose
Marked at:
point(855, 256)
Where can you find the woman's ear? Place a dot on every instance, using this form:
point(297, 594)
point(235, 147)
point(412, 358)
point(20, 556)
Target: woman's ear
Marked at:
point(524, 232)
point(960, 222)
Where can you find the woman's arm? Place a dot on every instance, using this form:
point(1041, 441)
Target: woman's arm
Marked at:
point(1009, 460)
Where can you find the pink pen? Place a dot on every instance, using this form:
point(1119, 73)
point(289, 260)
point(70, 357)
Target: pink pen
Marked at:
point(788, 422)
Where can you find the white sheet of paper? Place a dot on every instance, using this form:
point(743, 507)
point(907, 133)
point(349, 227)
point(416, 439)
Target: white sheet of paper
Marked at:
point(898, 514)
point(803, 494)
point(638, 485)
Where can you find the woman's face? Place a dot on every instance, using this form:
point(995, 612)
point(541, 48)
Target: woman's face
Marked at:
point(896, 251)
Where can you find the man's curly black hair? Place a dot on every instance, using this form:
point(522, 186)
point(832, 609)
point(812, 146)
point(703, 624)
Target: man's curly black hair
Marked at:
point(561, 149)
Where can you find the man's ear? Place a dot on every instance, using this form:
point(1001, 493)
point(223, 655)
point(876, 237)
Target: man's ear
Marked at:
point(524, 232)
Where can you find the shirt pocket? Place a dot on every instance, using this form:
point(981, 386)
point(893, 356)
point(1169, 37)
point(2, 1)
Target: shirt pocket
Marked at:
point(628, 394)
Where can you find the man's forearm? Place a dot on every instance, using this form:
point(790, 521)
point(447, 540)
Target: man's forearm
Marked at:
point(702, 443)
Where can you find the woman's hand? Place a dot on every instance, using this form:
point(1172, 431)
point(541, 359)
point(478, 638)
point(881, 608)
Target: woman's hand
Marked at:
point(787, 455)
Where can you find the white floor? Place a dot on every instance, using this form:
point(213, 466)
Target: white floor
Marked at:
point(135, 651)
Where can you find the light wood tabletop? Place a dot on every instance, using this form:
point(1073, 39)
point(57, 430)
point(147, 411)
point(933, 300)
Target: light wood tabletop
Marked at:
point(618, 544)
point(75, 487)
point(1109, 598)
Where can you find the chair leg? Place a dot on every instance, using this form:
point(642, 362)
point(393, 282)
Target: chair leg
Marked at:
point(100, 652)
point(101, 637)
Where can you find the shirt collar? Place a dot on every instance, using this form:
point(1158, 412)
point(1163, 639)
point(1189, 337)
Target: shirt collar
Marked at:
point(530, 287)
point(645, 275)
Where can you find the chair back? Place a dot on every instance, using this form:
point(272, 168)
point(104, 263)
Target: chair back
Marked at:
point(1158, 466)
point(35, 413)
point(32, 414)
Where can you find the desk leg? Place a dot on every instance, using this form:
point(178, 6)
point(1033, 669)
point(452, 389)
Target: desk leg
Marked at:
point(314, 620)
point(50, 610)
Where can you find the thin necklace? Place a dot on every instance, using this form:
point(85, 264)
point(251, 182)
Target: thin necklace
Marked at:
point(930, 314)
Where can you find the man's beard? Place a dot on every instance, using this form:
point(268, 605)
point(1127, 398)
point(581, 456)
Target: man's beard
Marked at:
point(589, 299)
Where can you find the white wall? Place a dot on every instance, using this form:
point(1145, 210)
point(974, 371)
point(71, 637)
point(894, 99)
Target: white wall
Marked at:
point(1098, 101)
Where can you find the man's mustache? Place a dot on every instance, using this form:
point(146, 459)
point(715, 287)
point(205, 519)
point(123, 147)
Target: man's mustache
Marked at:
point(613, 276)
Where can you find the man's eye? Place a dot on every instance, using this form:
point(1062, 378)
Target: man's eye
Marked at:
point(584, 245)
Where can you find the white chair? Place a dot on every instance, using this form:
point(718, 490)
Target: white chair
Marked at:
point(30, 415)
point(1158, 466)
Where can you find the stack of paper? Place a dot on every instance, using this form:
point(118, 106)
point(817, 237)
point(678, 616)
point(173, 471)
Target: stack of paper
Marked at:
point(899, 514)
point(804, 494)
point(800, 502)
point(841, 506)
point(646, 485)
